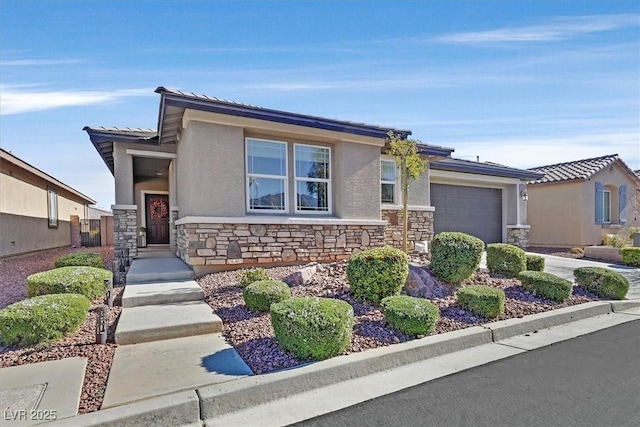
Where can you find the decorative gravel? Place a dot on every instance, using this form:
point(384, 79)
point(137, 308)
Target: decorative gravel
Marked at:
point(253, 337)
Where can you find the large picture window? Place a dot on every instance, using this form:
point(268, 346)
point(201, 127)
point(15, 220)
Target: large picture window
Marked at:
point(388, 184)
point(266, 175)
point(312, 178)
point(52, 208)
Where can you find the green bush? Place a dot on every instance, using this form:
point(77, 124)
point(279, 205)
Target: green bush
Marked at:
point(630, 256)
point(601, 281)
point(455, 256)
point(80, 259)
point(633, 231)
point(410, 315)
point(616, 240)
point(535, 262)
point(546, 285)
point(316, 328)
point(259, 295)
point(482, 300)
point(253, 275)
point(42, 319)
point(377, 273)
point(87, 281)
point(505, 259)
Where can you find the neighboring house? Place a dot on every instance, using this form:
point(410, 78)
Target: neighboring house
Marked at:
point(227, 184)
point(36, 210)
point(577, 203)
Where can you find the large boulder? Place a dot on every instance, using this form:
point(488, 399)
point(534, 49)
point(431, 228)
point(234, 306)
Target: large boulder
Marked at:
point(302, 276)
point(421, 283)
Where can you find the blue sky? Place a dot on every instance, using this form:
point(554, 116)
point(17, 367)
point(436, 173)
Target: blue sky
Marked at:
point(523, 83)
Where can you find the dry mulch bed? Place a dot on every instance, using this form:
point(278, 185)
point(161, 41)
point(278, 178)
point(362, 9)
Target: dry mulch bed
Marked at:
point(563, 252)
point(251, 334)
point(13, 274)
point(253, 337)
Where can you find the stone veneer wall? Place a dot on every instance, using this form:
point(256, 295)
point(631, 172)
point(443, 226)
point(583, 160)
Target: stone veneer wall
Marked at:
point(518, 236)
point(125, 230)
point(252, 244)
point(173, 230)
point(420, 227)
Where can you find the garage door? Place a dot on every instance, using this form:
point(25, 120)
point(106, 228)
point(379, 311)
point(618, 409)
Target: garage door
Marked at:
point(472, 210)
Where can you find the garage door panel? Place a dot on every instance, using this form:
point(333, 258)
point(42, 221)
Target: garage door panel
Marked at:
point(472, 210)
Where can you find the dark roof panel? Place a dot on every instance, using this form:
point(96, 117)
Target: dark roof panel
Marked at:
point(484, 168)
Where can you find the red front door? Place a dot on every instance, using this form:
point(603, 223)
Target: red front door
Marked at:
point(157, 212)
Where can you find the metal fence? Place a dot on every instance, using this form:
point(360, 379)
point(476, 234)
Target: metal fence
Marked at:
point(90, 232)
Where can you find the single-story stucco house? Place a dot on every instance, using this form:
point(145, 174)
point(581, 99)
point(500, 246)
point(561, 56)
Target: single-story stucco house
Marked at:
point(37, 211)
point(576, 203)
point(226, 184)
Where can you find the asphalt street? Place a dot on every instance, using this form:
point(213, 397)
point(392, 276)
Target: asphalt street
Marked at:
point(591, 380)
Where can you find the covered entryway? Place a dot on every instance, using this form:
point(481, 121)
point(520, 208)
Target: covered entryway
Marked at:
point(157, 218)
point(472, 210)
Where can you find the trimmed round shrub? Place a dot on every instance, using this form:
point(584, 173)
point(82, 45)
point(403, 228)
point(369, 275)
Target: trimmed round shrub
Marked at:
point(253, 275)
point(481, 300)
point(87, 281)
point(259, 295)
point(42, 319)
point(535, 262)
point(455, 256)
point(506, 259)
point(630, 256)
point(80, 259)
point(316, 328)
point(377, 273)
point(410, 315)
point(601, 281)
point(546, 285)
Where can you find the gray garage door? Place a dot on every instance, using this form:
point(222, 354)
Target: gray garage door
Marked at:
point(472, 210)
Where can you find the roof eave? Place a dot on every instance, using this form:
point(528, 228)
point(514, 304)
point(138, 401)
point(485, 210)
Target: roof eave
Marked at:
point(481, 169)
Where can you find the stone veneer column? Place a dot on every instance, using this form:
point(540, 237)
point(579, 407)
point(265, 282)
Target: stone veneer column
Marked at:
point(518, 235)
point(420, 227)
point(125, 225)
point(173, 229)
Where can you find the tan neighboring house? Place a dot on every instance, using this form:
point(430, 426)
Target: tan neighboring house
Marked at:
point(577, 203)
point(36, 210)
point(225, 184)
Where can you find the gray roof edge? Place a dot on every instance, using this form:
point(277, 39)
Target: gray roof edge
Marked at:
point(246, 110)
point(466, 166)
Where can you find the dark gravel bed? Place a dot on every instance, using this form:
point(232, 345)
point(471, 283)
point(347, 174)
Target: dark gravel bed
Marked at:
point(253, 337)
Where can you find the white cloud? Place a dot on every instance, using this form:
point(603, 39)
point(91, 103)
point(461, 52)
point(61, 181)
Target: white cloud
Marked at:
point(560, 28)
point(15, 100)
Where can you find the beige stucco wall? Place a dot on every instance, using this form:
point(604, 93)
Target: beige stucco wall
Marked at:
point(563, 214)
point(24, 217)
point(210, 170)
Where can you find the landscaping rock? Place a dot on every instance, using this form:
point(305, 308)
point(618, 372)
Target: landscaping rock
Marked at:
point(302, 276)
point(421, 283)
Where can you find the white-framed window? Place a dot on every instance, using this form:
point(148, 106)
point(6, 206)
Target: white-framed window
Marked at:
point(52, 208)
point(606, 206)
point(388, 182)
point(312, 172)
point(266, 175)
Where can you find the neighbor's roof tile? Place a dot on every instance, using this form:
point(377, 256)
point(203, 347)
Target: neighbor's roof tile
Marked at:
point(578, 169)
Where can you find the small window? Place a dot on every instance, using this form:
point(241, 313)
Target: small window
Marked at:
point(312, 178)
point(606, 206)
point(266, 175)
point(52, 207)
point(388, 181)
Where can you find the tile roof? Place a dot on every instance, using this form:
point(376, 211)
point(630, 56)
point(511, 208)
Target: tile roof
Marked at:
point(578, 169)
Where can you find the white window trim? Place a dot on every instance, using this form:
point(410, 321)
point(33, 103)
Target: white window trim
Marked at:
point(397, 194)
point(284, 178)
point(329, 210)
point(605, 194)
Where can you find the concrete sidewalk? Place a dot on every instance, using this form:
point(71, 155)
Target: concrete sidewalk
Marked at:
point(293, 395)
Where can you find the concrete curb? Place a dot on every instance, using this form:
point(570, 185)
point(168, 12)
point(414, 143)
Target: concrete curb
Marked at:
point(233, 396)
point(177, 409)
point(508, 328)
point(206, 403)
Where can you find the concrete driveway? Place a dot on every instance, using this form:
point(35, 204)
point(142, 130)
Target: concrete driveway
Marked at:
point(563, 267)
